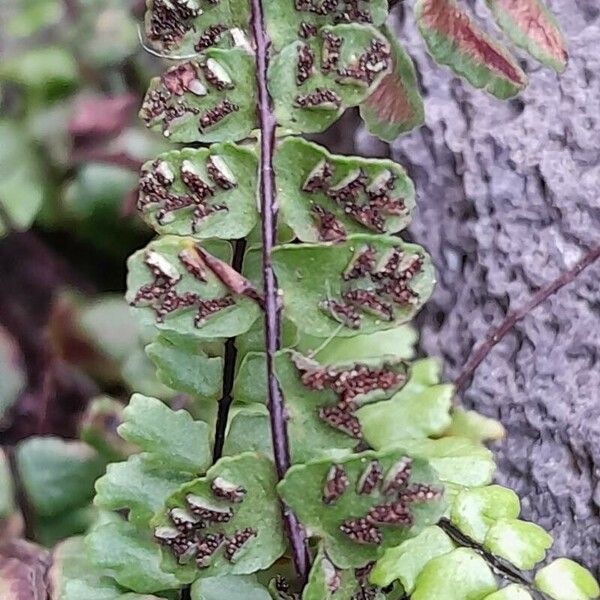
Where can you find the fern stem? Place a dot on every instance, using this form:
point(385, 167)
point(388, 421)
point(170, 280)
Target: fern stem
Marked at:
point(229, 368)
point(497, 334)
point(500, 566)
point(269, 209)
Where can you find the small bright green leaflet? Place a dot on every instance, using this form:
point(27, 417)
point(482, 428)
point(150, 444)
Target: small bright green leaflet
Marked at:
point(470, 424)
point(285, 19)
point(172, 438)
point(418, 410)
point(510, 592)
point(249, 537)
point(531, 26)
point(139, 486)
point(184, 367)
point(317, 297)
point(456, 460)
point(211, 99)
point(406, 561)
point(225, 17)
point(460, 575)
point(398, 342)
point(475, 510)
point(297, 161)
point(21, 179)
point(57, 475)
point(522, 543)
point(129, 555)
point(395, 106)
point(305, 490)
point(183, 304)
point(454, 40)
point(74, 577)
point(231, 587)
point(202, 192)
point(343, 91)
point(564, 579)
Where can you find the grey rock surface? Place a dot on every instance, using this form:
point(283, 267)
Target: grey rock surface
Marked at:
point(509, 198)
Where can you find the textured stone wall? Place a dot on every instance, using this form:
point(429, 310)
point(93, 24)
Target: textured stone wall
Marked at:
point(509, 197)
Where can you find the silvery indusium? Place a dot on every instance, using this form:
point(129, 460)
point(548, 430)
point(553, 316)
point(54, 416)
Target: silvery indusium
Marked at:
point(302, 299)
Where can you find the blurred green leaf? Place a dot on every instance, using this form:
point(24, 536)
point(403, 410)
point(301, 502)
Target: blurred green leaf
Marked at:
point(21, 179)
point(7, 499)
point(106, 33)
point(33, 15)
point(50, 530)
point(108, 322)
point(56, 474)
point(49, 71)
point(13, 378)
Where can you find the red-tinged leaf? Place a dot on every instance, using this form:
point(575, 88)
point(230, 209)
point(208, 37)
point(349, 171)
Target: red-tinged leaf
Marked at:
point(395, 106)
point(454, 40)
point(531, 26)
